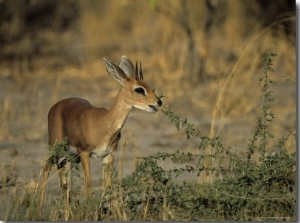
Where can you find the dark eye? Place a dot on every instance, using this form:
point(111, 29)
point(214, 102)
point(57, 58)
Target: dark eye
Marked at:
point(140, 90)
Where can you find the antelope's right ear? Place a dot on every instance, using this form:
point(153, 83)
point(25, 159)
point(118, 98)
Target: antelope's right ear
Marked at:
point(115, 71)
point(127, 66)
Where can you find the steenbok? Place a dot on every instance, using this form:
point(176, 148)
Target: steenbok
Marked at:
point(95, 132)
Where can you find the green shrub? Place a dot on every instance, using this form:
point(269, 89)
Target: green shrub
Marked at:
point(242, 189)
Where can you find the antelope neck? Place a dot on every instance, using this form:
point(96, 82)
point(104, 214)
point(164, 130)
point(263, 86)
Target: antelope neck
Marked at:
point(119, 110)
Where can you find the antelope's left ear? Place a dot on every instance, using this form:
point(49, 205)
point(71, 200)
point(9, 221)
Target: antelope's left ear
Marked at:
point(115, 71)
point(127, 66)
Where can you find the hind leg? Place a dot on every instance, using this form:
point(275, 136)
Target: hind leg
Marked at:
point(46, 170)
point(65, 175)
point(85, 161)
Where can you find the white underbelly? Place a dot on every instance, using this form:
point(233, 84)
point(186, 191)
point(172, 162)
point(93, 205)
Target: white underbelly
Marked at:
point(100, 152)
point(97, 152)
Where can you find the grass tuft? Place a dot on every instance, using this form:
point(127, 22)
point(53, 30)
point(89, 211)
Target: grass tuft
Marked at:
point(243, 189)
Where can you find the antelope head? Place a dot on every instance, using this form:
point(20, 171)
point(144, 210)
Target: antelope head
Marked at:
point(134, 90)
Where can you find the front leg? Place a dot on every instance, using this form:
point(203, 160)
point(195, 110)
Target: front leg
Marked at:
point(107, 167)
point(108, 161)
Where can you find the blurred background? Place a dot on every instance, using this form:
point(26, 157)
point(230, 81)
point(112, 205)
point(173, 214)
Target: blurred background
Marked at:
point(204, 56)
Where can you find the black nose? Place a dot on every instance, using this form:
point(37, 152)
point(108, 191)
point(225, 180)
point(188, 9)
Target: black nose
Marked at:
point(159, 102)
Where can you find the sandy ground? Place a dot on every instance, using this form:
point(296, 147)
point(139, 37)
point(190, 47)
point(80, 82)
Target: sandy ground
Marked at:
point(23, 151)
point(23, 146)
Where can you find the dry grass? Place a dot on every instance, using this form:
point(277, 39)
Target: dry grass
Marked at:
point(226, 103)
point(233, 62)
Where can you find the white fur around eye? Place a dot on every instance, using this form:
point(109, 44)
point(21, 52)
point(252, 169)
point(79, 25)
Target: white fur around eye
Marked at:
point(140, 90)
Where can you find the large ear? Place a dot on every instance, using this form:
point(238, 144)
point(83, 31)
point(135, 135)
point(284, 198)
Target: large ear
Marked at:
point(115, 71)
point(127, 66)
